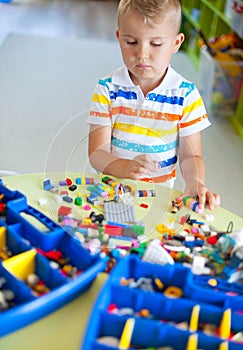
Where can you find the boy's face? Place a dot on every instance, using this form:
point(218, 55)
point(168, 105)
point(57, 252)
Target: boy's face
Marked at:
point(147, 47)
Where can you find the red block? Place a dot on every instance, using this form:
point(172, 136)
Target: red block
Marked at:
point(69, 181)
point(113, 230)
point(145, 206)
point(64, 211)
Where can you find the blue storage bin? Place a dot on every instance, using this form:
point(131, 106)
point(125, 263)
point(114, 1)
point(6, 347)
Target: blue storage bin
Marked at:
point(22, 237)
point(164, 312)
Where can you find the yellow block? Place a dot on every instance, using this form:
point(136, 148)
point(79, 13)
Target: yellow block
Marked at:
point(21, 265)
point(192, 342)
point(126, 336)
point(193, 326)
point(225, 325)
point(224, 346)
point(2, 237)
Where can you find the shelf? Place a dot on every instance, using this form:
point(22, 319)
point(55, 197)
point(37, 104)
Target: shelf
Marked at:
point(217, 11)
point(209, 17)
point(190, 18)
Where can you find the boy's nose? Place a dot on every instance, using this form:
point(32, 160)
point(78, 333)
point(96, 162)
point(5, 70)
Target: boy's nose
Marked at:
point(142, 52)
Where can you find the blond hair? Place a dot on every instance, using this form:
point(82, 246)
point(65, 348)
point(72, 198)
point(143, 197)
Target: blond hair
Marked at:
point(152, 10)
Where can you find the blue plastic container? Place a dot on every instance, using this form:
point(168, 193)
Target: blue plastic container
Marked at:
point(165, 312)
point(21, 237)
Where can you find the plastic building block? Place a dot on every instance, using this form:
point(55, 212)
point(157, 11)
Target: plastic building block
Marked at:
point(89, 181)
point(64, 211)
point(78, 181)
point(155, 253)
point(42, 201)
point(58, 198)
point(78, 201)
point(99, 218)
point(62, 183)
point(145, 193)
point(192, 204)
point(67, 199)
point(119, 212)
point(73, 187)
point(47, 185)
point(69, 181)
point(143, 205)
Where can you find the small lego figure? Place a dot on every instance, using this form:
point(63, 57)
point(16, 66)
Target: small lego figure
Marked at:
point(176, 206)
point(97, 218)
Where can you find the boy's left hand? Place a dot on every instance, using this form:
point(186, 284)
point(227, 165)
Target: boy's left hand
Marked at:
point(204, 195)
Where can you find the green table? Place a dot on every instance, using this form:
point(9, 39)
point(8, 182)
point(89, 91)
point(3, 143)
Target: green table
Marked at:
point(64, 328)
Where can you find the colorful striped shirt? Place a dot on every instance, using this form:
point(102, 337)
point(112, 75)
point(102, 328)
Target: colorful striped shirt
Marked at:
point(150, 124)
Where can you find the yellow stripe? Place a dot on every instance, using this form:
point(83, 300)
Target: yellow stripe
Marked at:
point(100, 99)
point(198, 103)
point(139, 130)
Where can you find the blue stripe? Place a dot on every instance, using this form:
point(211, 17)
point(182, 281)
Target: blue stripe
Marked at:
point(104, 81)
point(128, 95)
point(173, 100)
point(167, 162)
point(189, 86)
point(134, 147)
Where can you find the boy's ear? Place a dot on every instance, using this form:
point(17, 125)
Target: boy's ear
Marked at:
point(178, 41)
point(117, 33)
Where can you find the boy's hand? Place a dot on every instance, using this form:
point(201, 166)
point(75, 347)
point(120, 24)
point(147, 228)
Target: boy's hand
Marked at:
point(139, 166)
point(204, 195)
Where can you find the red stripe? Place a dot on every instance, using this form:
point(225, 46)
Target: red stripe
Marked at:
point(162, 178)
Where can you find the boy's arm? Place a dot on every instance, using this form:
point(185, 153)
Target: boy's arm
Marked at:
point(193, 170)
point(103, 160)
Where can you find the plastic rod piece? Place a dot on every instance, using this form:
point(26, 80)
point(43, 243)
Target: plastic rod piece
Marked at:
point(126, 334)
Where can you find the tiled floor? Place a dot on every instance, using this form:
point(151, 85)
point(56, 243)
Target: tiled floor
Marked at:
point(73, 24)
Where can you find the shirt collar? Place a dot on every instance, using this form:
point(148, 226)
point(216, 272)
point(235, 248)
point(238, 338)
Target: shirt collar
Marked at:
point(121, 77)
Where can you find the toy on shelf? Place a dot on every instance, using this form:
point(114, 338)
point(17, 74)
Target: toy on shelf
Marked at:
point(222, 63)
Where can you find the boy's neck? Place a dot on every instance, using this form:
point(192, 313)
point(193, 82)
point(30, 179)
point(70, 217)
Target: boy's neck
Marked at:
point(147, 85)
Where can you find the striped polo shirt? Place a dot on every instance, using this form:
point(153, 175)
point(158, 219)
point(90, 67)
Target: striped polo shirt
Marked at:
point(151, 124)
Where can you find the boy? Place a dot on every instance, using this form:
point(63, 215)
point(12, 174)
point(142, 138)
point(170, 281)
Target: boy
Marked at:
point(145, 116)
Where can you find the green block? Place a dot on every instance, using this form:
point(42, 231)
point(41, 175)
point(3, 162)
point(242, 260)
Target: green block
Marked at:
point(78, 201)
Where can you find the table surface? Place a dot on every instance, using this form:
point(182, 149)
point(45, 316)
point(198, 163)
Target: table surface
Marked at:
point(64, 328)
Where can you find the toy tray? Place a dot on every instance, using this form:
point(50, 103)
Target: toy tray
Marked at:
point(165, 311)
point(25, 242)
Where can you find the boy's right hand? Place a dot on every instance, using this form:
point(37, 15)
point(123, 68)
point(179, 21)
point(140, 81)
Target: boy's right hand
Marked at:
point(139, 166)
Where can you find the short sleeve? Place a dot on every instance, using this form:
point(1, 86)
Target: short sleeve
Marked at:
point(194, 115)
point(101, 104)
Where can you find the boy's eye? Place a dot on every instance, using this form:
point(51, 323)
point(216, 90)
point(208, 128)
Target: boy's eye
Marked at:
point(156, 44)
point(131, 42)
